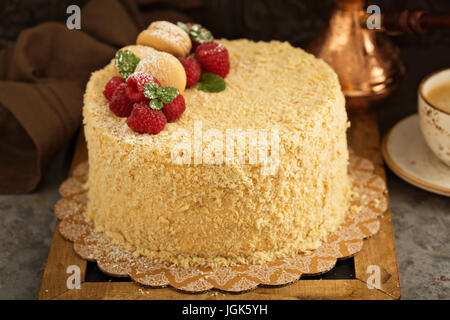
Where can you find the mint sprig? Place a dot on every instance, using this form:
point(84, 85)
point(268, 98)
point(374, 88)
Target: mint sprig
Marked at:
point(211, 82)
point(200, 35)
point(159, 95)
point(150, 90)
point(156, 104)
point(167, 94)
point(197, 33)
point(126, 62)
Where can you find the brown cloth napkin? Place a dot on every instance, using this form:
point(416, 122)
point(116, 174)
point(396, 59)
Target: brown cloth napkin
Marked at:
point(42, 81)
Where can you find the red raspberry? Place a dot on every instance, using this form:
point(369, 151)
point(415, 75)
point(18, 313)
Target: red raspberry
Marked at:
point(174, 109)
point(136, 83)
point(193, 70)
point(195, 45)
point(120, 105)
point(111, 87)
point(214, 58)
point(144, 119)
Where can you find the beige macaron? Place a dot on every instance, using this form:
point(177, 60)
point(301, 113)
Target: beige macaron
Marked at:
point(164, 67)
point(139, 50)
point(167, 37)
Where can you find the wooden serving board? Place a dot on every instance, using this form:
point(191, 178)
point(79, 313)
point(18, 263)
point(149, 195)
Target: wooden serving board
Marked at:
point(377, 251)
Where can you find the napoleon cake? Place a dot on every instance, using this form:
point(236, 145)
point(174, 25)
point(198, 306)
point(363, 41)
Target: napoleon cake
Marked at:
point(248, 165)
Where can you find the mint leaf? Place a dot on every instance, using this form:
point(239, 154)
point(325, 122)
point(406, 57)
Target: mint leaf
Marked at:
point(156, 104)
point(159, 95)
point(126, 62)
point(183, 26)
point(197, 32)
point(159, 92)
point(201, 35)
point(196, 27)
point(167, 94)
point(150, 90)
point(211, 82)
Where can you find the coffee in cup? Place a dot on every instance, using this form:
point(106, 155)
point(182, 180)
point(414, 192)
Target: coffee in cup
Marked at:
point(434, 113)
point(439, 96)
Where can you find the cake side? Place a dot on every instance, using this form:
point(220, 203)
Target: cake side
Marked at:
point(226, 213)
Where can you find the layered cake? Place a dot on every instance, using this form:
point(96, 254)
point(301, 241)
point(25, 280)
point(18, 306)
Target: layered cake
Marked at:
point(249, 172)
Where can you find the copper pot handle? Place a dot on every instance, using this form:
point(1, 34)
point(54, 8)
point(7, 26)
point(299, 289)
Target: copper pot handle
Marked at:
point(413, 21)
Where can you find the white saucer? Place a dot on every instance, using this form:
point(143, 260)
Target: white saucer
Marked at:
point(406, 153)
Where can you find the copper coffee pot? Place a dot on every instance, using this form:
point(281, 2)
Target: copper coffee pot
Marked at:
point(367, 63)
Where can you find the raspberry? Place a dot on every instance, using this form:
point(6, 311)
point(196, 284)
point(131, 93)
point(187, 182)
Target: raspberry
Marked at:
point(120, 105)
point(136, 83)
point(111, 87)
point(195, 45)
point(144, 119)
point(214, 58)
point(193, 70)
point(174, 109)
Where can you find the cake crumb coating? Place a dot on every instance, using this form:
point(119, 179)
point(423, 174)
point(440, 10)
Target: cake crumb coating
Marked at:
point(228, 213)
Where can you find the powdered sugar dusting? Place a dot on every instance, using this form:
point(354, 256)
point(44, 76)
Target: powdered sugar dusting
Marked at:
point(296, 109)
point(169, 32)
point(166, 36)
point(155, 62)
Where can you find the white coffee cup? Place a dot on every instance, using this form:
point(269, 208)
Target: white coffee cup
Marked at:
point(434, 121)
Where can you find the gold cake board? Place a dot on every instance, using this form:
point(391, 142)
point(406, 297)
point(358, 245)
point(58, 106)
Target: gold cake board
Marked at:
point(377, 251)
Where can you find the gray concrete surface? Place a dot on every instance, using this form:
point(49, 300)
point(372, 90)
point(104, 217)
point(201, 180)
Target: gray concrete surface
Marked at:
point(26, 228)
point(421, 219)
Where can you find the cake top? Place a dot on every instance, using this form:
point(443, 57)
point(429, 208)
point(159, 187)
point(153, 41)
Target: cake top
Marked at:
point(269, 84)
